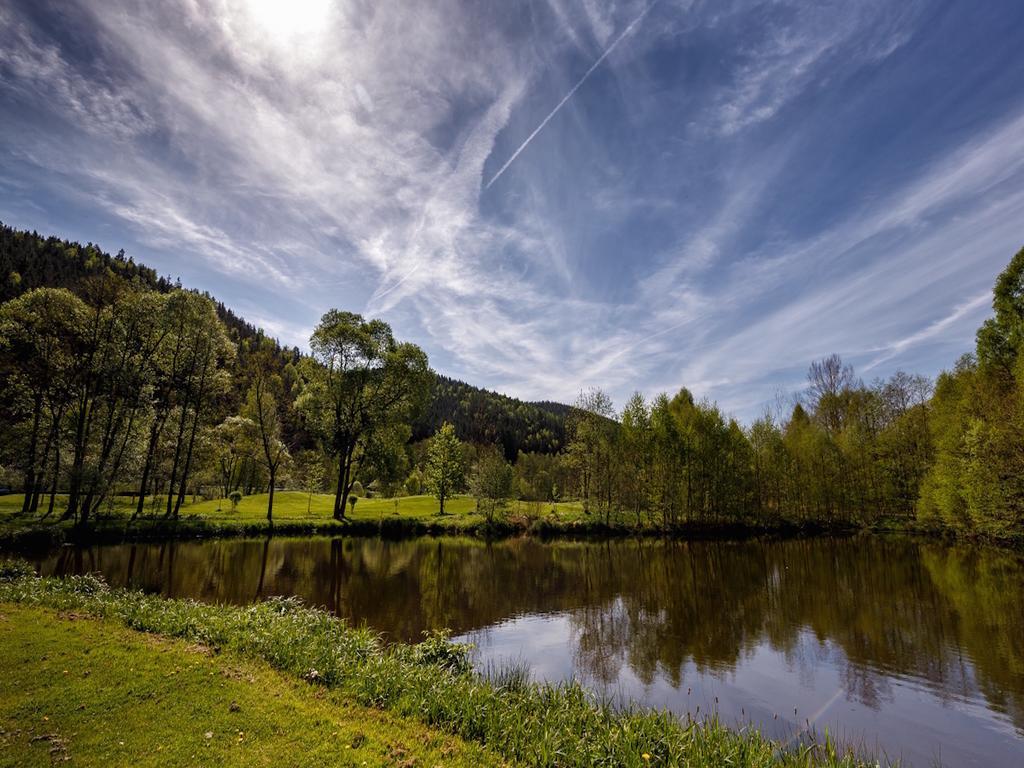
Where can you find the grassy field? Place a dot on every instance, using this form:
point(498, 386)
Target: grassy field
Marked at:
point(93, 693)
point(298, 514)
point(149, 693)
point(298, 505)
point(295, 512)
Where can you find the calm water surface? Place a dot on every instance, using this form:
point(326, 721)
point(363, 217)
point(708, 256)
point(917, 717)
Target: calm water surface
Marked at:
point(914, 649)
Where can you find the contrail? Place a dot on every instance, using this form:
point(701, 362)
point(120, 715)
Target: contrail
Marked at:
point(572, 90)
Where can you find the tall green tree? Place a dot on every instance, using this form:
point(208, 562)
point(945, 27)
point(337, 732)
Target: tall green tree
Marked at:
point(359, 382)
point(591, 432)
point(976, 483)
point(40, 341)
point(636, 456)
point(195, 376)
point(445, 466)
point(263, 410)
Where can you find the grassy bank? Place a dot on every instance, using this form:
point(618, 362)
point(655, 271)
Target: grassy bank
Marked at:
point(96, 694)
point(344, 667)
point(298, 514)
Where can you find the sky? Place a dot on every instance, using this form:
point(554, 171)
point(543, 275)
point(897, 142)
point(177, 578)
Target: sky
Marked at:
point(548, 195)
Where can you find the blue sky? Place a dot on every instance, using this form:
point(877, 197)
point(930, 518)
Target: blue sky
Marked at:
point(546, 195)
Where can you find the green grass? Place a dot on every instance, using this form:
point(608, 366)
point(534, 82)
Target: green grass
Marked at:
point(537, 725)
point(295, 512)
point(298, 505)
point(459, 511)
point(298, 514)
point(97, 694)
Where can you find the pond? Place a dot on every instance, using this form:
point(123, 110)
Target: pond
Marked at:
point(909, 648)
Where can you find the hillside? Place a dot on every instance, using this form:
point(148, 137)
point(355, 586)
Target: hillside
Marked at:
point(28, 260)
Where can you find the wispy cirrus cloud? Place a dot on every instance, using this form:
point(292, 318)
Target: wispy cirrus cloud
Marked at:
point(723, 190)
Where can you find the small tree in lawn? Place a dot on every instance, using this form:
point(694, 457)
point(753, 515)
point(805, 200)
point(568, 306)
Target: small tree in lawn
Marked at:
point(492, 483)
point(445, 467)
point(311, 472)
point(263, 411)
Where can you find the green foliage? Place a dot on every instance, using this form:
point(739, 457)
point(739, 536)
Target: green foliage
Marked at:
point(437, 650)
point(488, 418)
point(445, 467)
point(115, 380)
point(359, 386)
point(492, 483)
point(12, 570)
point(976, 482)
point(414, 483)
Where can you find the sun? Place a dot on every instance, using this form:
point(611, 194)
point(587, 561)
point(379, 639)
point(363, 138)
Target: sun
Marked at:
point(288, 20)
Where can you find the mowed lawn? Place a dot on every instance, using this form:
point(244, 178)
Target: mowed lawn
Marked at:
point(301, 506)
point(89, 693)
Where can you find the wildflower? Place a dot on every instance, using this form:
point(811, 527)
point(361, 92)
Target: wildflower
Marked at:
point(645, 756)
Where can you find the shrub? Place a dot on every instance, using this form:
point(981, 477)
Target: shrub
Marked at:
point(11, 570)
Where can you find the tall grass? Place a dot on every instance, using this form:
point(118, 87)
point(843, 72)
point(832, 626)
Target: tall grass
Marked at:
point(529, 723)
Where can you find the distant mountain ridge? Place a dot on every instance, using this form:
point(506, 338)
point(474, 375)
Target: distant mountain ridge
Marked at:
point(29, 260)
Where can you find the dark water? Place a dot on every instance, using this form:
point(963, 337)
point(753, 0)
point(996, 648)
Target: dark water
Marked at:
point(913, 649)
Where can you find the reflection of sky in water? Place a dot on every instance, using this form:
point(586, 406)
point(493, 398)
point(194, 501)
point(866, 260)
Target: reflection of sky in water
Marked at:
point(890, 643)
point(767, 686)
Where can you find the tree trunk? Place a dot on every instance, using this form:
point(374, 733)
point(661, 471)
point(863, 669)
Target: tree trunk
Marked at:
point(33, 444)
point(339, 512)
point(270, 499)
point(51, 442)
point(147, 467)
point(188, 463)
point(75, 481)
point(177, 459)
point(54, 479)
point(344, 481)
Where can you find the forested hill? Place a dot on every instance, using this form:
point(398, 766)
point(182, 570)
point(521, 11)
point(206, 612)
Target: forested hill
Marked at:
point(29, 260)
point(485, 417)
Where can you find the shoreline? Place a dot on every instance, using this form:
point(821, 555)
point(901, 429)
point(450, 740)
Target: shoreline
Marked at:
point(35, 537)
point(119, 531)
point(430, 684)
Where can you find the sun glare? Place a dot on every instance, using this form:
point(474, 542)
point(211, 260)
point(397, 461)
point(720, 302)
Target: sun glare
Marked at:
point(286, 20)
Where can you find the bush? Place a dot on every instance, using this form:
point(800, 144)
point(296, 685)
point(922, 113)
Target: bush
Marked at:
point(438, 651)
point(414, 484)
point(11, 570)
point(235, 497)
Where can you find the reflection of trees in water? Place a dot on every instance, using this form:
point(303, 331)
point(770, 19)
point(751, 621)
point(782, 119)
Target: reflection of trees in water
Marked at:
point(950, 616)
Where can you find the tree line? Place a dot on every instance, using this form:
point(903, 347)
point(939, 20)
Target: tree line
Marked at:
point(29, 261)
point(125, 384)
point(948, 454)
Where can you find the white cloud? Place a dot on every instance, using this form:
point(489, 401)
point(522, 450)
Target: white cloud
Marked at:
point(793, 48)
point(338, 151)
point(33, 67)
